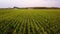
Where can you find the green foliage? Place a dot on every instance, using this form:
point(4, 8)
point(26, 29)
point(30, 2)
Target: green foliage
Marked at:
point(30, 21)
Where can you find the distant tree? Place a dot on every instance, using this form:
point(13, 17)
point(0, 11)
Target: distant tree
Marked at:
point(16, 7)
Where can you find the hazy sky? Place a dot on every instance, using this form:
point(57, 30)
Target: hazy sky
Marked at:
point(29, 3)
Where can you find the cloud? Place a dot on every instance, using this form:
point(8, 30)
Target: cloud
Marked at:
point(29, 3)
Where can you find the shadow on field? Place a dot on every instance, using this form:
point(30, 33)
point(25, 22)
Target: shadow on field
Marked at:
point(10, 30)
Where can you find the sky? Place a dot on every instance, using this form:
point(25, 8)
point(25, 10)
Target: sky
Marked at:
point(29, 3)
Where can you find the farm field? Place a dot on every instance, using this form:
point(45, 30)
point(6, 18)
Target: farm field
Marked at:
point(29, 21)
